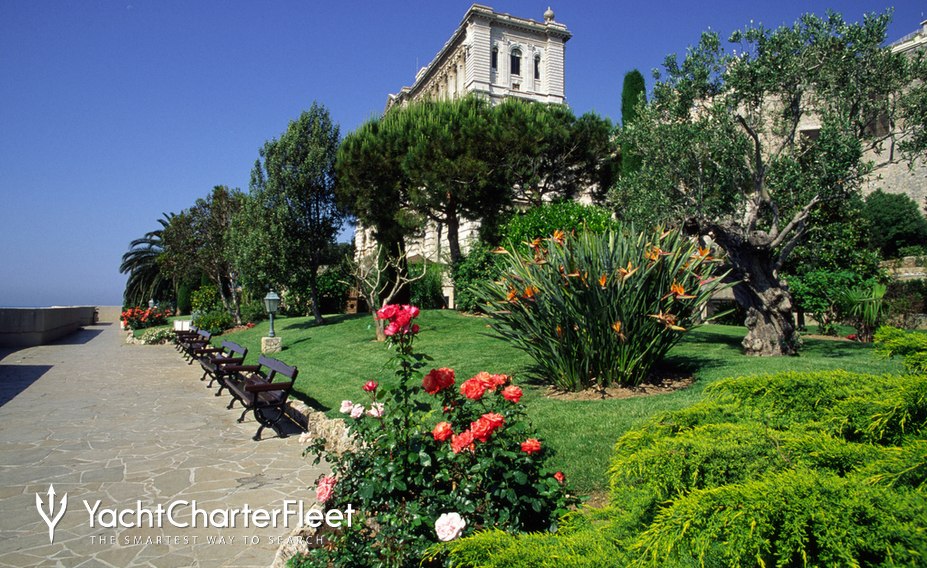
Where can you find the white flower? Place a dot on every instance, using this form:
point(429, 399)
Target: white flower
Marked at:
point(357, 411)
point(347, 406)
point(449, 526)
point(305, 438)
point(376, 410)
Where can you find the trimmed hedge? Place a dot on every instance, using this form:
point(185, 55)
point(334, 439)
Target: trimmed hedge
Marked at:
point(824, 468)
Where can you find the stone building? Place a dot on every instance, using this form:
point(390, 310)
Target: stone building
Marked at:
point(897, 177)
point(892, 175)
point(496, 56)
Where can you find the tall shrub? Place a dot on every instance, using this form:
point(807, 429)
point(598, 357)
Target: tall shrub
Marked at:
point(598, 309)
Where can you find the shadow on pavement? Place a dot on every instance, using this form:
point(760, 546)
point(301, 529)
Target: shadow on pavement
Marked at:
point(79, 337)
point(16, 378)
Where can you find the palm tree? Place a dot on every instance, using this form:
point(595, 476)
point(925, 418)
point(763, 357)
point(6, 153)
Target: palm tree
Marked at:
point(141, 264)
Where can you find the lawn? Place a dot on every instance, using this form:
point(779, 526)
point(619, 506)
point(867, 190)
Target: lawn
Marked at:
point(336, 359)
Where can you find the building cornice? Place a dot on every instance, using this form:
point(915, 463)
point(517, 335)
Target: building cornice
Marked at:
point(485, 13)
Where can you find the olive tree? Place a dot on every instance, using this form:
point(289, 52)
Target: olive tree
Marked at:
point(742, 146)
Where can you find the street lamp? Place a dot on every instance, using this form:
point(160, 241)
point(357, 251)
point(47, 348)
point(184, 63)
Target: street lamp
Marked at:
point(271, 303)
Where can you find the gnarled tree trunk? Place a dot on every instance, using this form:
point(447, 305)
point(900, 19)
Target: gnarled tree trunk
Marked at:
point(766, 299)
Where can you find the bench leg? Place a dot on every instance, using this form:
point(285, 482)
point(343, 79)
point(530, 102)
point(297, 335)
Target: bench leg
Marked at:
point(243, 412)
point(203, 378)
point(261, 417)
point(231, 404)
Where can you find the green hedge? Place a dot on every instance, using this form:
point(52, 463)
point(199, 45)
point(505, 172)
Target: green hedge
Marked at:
point(823, 468)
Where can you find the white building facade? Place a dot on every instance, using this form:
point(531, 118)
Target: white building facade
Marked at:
point(496, 56)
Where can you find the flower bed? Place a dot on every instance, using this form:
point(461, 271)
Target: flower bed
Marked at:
point(141, 318)
point(433, 462)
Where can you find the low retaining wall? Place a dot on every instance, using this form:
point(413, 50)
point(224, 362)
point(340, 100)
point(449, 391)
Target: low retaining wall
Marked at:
point(26, 327)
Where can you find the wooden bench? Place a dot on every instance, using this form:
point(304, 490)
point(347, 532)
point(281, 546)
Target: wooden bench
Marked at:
point(190, 345)
point(183, 335)
point(214, 361)
point(254, 387)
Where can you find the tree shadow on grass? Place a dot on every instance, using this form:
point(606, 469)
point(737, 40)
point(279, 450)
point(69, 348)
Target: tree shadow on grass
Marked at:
point(734, 340)
point(834, 349)
point(329, 320)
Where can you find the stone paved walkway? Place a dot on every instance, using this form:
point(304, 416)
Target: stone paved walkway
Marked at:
point(102, 420)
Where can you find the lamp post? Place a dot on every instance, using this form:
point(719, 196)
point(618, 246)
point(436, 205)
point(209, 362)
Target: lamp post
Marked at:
point(271, 303)
point(271, 343)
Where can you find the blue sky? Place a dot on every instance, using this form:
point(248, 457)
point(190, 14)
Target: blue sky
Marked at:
point(114, 112)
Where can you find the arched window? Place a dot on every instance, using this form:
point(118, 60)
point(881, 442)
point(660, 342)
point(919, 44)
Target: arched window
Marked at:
point(516, 62)
point(494, 61)
point(537, 66)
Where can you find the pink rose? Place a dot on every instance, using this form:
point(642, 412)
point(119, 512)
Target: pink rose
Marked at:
point(376, 410)
point(346, 406)
point(449, 526)
point(370, 386)
point(357, 411)
point(324, 488)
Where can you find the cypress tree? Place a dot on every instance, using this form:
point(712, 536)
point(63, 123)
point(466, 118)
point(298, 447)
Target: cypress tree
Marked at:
point(632, 91)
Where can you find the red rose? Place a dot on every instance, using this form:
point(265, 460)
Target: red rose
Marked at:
point(511, 393)
point(413, 311)
point(462, 442)
point(391, 329)
point(531, 446)
point(442, 431)
point(559, 477)
point(402, 318)
point(387, 312)
point(370, 386)
point(437, 380)
point(473, 388)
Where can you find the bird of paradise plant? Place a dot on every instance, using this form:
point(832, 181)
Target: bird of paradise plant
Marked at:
point(604, 308)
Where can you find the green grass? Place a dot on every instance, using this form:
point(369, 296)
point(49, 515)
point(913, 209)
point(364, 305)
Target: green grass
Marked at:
point(336, 359)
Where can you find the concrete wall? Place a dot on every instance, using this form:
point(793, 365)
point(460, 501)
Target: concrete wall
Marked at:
point(25, 327)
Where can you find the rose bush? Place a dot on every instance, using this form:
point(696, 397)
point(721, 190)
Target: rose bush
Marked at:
point(434, 460)
point(141, 318)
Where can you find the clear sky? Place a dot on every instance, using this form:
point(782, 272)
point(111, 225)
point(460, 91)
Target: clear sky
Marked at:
point(114, 112)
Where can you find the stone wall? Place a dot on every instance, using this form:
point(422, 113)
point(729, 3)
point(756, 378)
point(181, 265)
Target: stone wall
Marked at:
point(26, 327)
point(907, 268)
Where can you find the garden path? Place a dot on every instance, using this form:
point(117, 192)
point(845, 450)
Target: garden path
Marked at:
point(133, 427)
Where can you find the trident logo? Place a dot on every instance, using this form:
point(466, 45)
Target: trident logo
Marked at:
point(51, 518)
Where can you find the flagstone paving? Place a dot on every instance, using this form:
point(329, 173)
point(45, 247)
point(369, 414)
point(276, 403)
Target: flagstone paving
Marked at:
point(133, 427)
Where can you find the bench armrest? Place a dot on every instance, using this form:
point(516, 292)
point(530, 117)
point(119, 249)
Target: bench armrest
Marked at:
point(206, 350)
point(228, 361)
point(264, 387)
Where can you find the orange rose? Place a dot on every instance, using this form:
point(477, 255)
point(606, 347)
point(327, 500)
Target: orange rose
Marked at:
point(511, 393)
point(442, 431)
point(462, 442)
point(473, 388)
point(531, 446)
